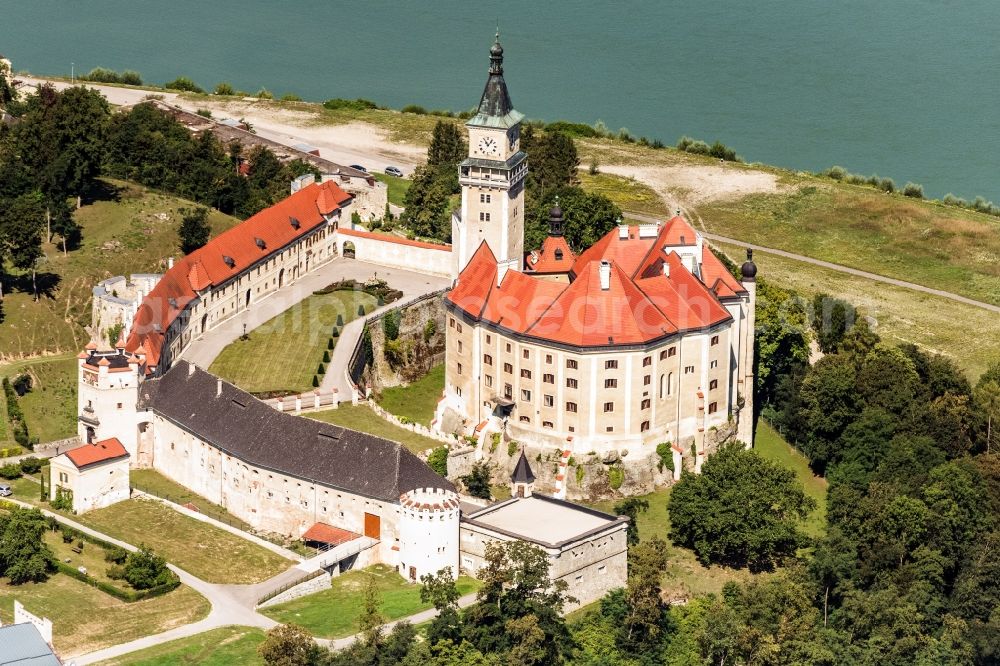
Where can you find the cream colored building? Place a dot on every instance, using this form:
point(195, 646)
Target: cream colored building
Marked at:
point(96, 474)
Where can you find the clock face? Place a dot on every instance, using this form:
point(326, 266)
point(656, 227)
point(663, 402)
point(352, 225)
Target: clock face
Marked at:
point(489, 146)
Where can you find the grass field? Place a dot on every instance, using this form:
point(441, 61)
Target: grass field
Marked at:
point(284, 353)
point(50, 406)
point(627, 193)
point(152, 482)
point(417, 400)
point(933, 323)
point(85, 619)
point(334, 613)
point(397, 187)
point(124, 232)
point(363, 419)
point(218, 647)
point(770, 445)
point(212, 554)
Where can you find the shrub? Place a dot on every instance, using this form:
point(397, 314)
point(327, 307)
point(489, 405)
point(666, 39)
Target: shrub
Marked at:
point(204, 113)
point(594, 168)
point(102, 75)
point(351, 104)
point(913, 190)
point(886, 185)
point(361, 311)
point(666, 455)
point(414, 108)
point(315, 381)
point(183, 83)
point(837, 173)
point(115, 572)
point(335, 333)
point(115, 554)
point(329, 343)
point(494, 442)
point(573, 129)
point(63, 502)
point(264, 93)
point(511, 447)
point(477, 481)
point(616, 477)
point(438, 460)
point(390, 324)
point(10, 471)
point(321, 370)
point(430, 328)
point(290, 97)
point(67, 535)
point(580, 472)
point(224, 89)
point(340, 320)
point(144, 569)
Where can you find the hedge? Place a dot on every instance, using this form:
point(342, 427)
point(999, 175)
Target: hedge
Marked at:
point(128, 596)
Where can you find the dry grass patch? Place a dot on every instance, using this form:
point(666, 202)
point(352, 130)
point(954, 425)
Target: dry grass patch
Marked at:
point(85, 619)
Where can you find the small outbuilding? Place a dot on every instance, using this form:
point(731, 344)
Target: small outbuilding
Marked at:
point(94, 475)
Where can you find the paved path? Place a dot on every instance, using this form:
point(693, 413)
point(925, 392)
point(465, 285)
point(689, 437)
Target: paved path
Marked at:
point(210, 344)
point(835, 267)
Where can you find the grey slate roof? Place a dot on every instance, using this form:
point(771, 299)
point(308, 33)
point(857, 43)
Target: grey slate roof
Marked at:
point(495, 107)
point(522, 471)
point(246, 428)
point(22, 645)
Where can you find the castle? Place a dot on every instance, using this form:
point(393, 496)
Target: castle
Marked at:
point(362, 498)
point(645, 338)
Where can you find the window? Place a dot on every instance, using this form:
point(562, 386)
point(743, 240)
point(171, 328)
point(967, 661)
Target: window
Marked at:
point(570, 382)
point(609, 429)
point(571, 407)
point(549, 401)
point(610, 383)
point(647, 361)
point(546, 424)
point(571, 364)
point(663, 355)
point(610, 365)
point(507, 367)
point(549, 379)
point(487, 359)
point(484, 198)
point(524, 419)
point(713, 364)
point(548, 358)
point(489, 338)
point(645, 404)
point(451, 323)
point(688, 369)
point(489, 380)
point(714, 384)
point(458, 327)
point(526, 395)
point(609, 407)
point(715, 340)
point(508, 347)
point(647, 380)
point(119, 405)
point(644, 426)
point(459, 368)
point(484, 217)
point(524, 353)
point(63, 477)
point(508, 391)
point(460, 346)
point(525, 373)
point(713, 407)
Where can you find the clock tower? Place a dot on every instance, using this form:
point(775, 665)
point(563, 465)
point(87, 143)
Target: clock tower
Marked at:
point(492, 177)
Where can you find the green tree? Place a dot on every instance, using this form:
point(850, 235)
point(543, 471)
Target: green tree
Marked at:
point(24, 555)
point(589, 216)
point(645, 620)
point(194, 231)
point(831, 319)
point(21, 222)
point(145, 569)
point(553, 158)
point(371, 619)
point(632, 507)
point(987, 401)
point(289, 645)
point(741, 510)
point(477, 481)
point(439, 590)
point(438, 460)
point(447, 147)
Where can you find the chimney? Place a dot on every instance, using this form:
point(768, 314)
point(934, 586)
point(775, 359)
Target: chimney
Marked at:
point(648, 230)
point(190, 369)
point(622, 231)
point(666, 269)
point(605, 273)
point(503, 267)
point(170, 263)
point(218, 388)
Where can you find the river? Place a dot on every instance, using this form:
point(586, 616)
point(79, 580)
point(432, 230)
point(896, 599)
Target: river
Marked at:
point(905, 88)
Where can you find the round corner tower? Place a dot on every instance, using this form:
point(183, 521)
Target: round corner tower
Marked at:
point(428, 532)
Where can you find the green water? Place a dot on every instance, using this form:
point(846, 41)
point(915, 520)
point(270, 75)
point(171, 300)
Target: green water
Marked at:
point(906, 88)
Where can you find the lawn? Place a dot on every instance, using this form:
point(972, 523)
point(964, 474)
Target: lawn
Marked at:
point(218, 647)
point(85, 619)
point(152, 482)
point(50, 407)
point(770, 445)
point(126, 229)
point(931, 244)
point(417, 400)
point(363, 419)
point(627, 193)
point(334, 613)
point(203, 550)
point(397, 187)
point(285, 352)
point(902, 315)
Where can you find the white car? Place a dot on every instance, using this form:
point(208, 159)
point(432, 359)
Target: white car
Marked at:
point(394, 171)
point(5, 490)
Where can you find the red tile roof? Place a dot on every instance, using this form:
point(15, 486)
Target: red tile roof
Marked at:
point(642, 303)
point(545, 260)
point(272, 228)
point(98, 452)
point(329, 534)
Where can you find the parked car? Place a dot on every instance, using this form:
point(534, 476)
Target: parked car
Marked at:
point(394, 171)
point(359, 167)
point(5, 490)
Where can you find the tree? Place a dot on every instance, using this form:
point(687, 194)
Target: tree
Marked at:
point(440, 591)
point(145, 569)
point(589, 216)
point(371, 619)
point(987, 401)
point(62, 223)
point(24, 555)
point(448, 147)
point(645, 618)
point(194, 231)
point(21, 223)
point(632, 507)
point(438, 460)
point(741, 510)
point(831, 319)
point(477, 481)
point(289, 645)
point(553, 158)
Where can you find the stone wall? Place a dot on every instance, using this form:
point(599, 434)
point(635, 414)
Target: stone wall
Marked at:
point(317, 584)
point(412, 354)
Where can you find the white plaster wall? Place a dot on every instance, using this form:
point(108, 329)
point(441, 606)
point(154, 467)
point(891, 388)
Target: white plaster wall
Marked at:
point(375, 250)
point(112, 397)
point(428, 537)
point(94, 487)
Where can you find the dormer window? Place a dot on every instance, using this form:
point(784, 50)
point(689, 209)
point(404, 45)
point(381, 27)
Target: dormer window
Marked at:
point(260, 243)
point(559, 254)
point(229, 261)
point(294, 222)
point(173, 302)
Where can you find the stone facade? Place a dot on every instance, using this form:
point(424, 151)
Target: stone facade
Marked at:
point(115, 303)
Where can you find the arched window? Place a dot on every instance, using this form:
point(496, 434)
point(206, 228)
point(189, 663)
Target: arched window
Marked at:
point(663, 389)
point(670, 383)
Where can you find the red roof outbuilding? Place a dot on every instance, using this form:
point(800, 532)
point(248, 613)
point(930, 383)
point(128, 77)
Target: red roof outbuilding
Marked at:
point(98, 452)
